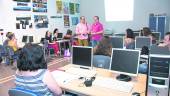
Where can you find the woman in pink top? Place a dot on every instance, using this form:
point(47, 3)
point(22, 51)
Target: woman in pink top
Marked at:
point(82, 31)
point(96, 31)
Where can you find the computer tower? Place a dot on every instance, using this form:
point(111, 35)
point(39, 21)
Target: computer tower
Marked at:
point(158, 75)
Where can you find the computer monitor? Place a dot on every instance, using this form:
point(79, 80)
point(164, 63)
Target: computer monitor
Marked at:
point(125, 62)
point(60, 36)
point(27, 39)
point(136, 34)
point(82, 55)
point(31, 39)
point(157, 35)
point(117, 41)
point(142, 41)
point(155, 49)
point(24, 39)
point(119, 34)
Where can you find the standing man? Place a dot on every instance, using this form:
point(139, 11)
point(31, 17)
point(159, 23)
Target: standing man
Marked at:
point(82, 31)
point(96, 31)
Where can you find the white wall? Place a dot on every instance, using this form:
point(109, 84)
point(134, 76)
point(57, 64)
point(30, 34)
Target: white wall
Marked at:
point(142, 9)
point(8, 20)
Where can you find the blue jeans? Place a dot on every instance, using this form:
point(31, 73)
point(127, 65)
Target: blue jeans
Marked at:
point(94, 43)
point(143, 68)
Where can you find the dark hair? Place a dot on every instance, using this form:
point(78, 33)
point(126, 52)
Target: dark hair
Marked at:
point(146, 31)
point(69, 32)
point(82, 17)
point(31, 58)
point(9, 35)
point(129, 33)
point(97, 17)
point(56, 29)
point(167, 33)
point(104, 46)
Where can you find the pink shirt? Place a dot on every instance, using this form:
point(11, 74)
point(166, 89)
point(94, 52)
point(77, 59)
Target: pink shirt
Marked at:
point(97, 27)
point(83, 30)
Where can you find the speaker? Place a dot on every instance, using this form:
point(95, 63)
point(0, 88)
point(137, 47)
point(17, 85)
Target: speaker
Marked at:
point(158, 76)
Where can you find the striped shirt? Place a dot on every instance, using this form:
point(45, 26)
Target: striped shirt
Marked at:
point(34, 83)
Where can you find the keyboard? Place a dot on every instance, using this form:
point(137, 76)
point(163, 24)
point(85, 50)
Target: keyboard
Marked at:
point(63, 77)
point(110, 83)
point(81, 72)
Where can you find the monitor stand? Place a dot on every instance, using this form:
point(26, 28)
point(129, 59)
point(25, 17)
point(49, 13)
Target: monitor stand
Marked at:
point(123, 77)
point(82, 67)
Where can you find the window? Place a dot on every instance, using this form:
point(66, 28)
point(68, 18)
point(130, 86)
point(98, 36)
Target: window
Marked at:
point(119, 10)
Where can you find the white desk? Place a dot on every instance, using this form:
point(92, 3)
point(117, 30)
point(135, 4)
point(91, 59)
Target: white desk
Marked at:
point(74, 85)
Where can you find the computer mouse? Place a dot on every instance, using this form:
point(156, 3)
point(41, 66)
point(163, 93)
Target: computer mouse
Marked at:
point(81, 78)
point(135, 94)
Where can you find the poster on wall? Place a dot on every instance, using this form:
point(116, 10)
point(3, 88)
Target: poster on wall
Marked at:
point(59, 6)
point(22, 6)
point(23, 22)
point(39, 5)
point(71, 6)
point(66, 7)
point(77, 9)
point(66, 21)
point(74, 20)
point(41, 21)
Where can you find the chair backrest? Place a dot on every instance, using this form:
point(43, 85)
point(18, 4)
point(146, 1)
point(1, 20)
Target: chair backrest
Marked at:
point(20, 92)
point(101, 61)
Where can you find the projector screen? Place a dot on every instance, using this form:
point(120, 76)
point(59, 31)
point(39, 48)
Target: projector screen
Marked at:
point(119, 10)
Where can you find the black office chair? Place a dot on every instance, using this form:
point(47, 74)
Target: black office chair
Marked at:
point(101, 61)
point(20, 92)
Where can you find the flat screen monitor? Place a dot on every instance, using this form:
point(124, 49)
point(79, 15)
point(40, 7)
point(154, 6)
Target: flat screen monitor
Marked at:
point(82, 55)
point(157, 35)
point(117, 41)
point(142, 41)
point(136, 34)
point(125, 62)
point(119, 34)
point(42, 40)
point(59, 35)
point(31, 39)
point(24, 39)
point(155, 49)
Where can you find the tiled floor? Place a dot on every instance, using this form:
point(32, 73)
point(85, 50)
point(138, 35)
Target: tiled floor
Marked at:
point(7, 73)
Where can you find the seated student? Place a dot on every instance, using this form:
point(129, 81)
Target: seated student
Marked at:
point(153, 38)
point(166, 41)
point(51, 43)
point(55, 34)
point(68, 35)
point(12, 41)
point(145, 31)
point(104, 47)
point(32, 72)
point(129, 39)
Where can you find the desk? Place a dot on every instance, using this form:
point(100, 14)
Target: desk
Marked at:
point(73, 86)
point(64, 43)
